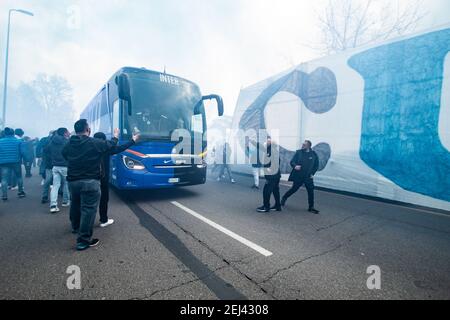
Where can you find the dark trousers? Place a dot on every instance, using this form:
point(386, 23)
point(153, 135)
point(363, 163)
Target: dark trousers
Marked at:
point(48, 176)
point(9, 171)
point(104, 199)
point(28, 169)
point(42, 169)
point(83, 210)
point(16, 177)
point(272, 186)
point(309, 184)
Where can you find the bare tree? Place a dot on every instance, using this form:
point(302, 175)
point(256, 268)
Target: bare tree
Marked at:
point(52, 91)
point(346, 24)
point(42, 104)
point(56, 97)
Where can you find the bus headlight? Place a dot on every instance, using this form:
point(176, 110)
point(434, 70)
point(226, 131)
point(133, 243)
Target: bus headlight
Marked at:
point(203, 165)
point(132, 164)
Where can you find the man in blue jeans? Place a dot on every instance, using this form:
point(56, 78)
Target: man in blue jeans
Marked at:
point(11, 154)
point(59, 168)
point(84, 156)
point(13, 182)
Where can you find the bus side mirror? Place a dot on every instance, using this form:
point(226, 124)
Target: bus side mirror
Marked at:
point(197, 109)
point(220, 107)
point(219, 103)
point(123, 86)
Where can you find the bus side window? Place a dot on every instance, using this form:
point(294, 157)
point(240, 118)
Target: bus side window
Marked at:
point(116, 114)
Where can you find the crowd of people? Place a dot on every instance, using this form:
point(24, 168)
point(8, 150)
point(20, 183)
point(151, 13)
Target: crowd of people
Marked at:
point(75, 166)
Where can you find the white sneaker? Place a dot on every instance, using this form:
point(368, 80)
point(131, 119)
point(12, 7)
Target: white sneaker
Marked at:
point(54, 209)
point(42, 182)
point(14, 188)
point(104, 225)
point(65, 204)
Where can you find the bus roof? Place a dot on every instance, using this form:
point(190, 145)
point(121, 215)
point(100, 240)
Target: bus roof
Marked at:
point(144, 70)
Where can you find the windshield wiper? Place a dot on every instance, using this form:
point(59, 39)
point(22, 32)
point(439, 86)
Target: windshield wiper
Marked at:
point(159, 138)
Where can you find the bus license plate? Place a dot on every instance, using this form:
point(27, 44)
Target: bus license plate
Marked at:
point(174, 180)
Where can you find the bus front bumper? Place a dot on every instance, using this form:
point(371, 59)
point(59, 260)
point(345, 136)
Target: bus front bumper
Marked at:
point(136, 180)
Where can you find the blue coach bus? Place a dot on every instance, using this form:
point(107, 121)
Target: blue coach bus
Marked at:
point(154, 105)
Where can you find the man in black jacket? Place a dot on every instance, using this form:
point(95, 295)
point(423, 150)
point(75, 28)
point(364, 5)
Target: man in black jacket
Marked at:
point(305, 165)
point(84, 156)
point(104, 182)
point(46, 167)
point(272, 174)
point(40, 153)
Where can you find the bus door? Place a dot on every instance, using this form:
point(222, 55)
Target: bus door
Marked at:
point(116, 123)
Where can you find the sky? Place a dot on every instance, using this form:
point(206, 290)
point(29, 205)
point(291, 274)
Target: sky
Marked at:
point(222, 45)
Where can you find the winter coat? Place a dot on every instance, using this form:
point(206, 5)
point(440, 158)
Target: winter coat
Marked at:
point(54, 151)
point(12, 150)
point(309, 162)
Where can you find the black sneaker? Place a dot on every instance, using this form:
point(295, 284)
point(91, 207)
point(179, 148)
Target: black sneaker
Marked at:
point(283, 202)
point(263, 209)
point(44, 200)
point(312, 210)
point(5, 199)
point(275, 208)
point(22, 194)
point(94, 243)
point(74, 231)
point(84, 246)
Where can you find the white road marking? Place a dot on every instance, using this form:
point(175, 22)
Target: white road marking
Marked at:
point(229, 233)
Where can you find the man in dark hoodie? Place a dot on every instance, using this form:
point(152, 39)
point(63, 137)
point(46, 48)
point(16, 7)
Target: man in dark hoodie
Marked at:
point(84, 156)
point(305, 165)
point(40, 155)
point(59, 168)
point(46, 166)
point(29, 159)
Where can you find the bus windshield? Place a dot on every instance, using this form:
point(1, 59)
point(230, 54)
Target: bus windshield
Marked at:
point(159, 108)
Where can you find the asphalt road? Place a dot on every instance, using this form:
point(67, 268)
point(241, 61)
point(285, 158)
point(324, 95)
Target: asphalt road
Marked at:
point(208, 242)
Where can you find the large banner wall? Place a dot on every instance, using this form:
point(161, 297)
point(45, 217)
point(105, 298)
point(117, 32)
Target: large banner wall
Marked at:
point(379, 118)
